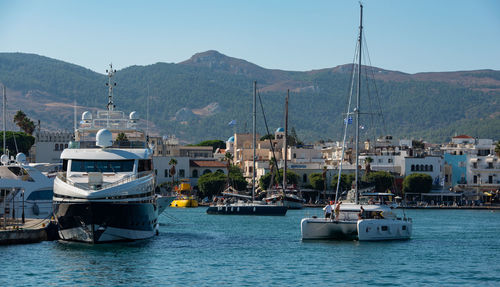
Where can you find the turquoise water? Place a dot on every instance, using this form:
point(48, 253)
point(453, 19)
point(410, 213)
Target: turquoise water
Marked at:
point(449, 247)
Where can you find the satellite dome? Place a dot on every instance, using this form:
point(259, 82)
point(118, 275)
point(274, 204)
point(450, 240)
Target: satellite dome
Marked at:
point(133, 116)
point(280, 130)
point(104, 138)
point(231, 139)
point(4, 159)
point(87, 116)
point(20, 158)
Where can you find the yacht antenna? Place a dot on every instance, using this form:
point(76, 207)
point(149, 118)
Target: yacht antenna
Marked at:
point(147, 114)
point(356, 110)
point(286, 140)
point(110, 106)
point(254, 114)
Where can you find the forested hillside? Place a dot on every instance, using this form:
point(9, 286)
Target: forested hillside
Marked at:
point(197, 98)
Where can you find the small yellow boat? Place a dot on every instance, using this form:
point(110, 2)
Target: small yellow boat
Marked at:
point(185, 196)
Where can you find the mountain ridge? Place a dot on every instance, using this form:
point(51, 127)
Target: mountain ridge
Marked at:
point(211, 89)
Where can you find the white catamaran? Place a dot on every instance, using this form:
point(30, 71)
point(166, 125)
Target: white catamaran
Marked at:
point(358, 218)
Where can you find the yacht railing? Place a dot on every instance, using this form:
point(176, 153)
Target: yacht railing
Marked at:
point(62, 176)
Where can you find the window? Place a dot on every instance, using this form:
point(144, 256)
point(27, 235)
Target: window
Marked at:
point(474, 179)
point(166, 173)
point(181, 173)
point(490, 179)
point(426, 167)
point(41, 195)
point(445, 178)
point(66, 146)
point(421, 167)
point(412, 167)
point(304, 178)
point(294, 155)
point(79, 165)
point(431, 167)
point(65, 165)
point(417, 168)
point(490, 165)
point(56, 147)
point(474, 165)
point(144, 165)
point(389, 160)
point(195, 173)
point(206, 171)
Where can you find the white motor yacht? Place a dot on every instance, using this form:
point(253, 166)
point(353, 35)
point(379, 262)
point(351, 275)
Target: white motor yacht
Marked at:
point(25, 191)
point(106, 190)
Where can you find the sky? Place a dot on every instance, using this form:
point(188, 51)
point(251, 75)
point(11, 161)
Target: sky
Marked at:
point(402, 35)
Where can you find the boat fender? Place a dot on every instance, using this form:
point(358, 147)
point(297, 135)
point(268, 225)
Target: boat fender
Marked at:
point(254, 209)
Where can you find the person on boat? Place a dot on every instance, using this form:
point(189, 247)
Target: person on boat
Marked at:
point(328, 210)
point(337, 210)
point(361, 213)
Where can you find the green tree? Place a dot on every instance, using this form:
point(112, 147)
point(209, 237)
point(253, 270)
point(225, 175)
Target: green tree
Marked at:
point(236, 178)
point(382, 180)
point(291, 178)
point(317, 181)
point(21, 140)
point(215, 144)
point(417, 144)
point(417, 183)
point(212, 183)
point(497, 148)
point(122, 138)
point(345, 181)
point(368, 161)
point(172, 171)
point(267, 137)
point(23, 122)
point(293, 139)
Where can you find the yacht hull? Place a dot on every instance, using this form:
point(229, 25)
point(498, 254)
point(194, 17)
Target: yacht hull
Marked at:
point(325, 228)
point(100, 222)
point(248, 210)
point(384, 229)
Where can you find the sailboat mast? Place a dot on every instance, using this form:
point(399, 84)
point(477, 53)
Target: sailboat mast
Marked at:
point(286, 140)
point(4, 118)
point(254, 136)
point(356, 111)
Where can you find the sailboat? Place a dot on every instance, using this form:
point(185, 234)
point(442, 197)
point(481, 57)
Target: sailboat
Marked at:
point(288, 197)
point(357, 218)
point(237, 204)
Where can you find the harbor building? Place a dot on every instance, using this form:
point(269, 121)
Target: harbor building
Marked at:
point(49, 145)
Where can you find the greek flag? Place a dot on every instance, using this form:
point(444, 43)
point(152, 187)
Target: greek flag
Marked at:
point(232, 123)
point(348, 120)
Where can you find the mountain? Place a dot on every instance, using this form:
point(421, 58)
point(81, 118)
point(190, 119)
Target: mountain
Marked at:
point(197, 98)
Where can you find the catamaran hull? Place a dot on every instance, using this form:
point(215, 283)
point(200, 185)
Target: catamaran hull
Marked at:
point(100, 222)
point(248, 210)
point(328, 229)
point(384, 229)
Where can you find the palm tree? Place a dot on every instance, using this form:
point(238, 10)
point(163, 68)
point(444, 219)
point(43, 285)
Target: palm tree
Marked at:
point(228, 158)
point(368, 168)
point(172, 162)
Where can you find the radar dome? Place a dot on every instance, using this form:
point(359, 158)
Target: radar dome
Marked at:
point(87, 116)
point(104, 138)
point(21, 158)
point(133, 116)
point(4, 159)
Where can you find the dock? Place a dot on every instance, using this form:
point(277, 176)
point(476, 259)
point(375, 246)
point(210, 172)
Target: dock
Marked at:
point(32, 231)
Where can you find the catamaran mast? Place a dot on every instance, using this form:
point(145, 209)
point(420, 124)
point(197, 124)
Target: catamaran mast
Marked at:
point(4, 118)
point(356, 110)
point(254, 140)
point(286, 140)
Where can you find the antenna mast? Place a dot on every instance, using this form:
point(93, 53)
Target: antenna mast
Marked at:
point(110, 106)
point(4, 117)
point(286, 140)
point(254, 140)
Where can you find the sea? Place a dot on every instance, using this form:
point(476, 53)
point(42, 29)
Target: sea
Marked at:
point(448, 248)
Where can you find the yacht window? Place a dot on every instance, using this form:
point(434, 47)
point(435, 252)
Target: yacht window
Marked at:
point(65, 165)
point(404, 227)
point(102, 165)
point(41, 195)
point(144, 165)
point(384, 228)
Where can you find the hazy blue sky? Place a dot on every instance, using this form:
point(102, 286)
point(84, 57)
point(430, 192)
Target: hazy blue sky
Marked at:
point(409, 36)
